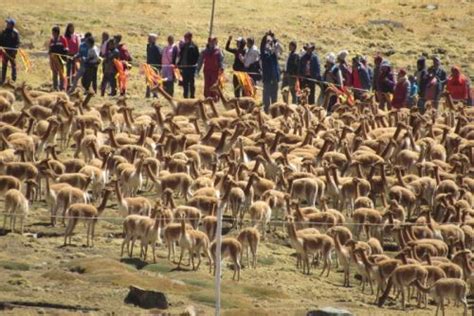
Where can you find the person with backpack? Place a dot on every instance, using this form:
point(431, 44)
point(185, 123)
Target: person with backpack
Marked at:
point(309, 71)
point(58, 51)
point(9, 38)
point(188, 57)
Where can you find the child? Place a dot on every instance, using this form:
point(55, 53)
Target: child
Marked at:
point(412, 98)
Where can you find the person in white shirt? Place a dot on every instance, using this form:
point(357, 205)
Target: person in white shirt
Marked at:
point(251, 60)
point(91, 64)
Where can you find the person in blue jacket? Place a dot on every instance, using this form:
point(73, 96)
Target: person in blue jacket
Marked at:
point(310, 71)
point(270, 49)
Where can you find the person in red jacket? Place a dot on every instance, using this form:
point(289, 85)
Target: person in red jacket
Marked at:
point(212, 58)
point(458, 85)
point(402, 91)
point(58, 50)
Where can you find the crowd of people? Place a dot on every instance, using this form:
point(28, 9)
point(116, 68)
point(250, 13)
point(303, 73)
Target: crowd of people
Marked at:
point(74, 57)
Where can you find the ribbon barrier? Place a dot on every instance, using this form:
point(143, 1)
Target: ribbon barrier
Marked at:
point(121, 75)
point(151, 75)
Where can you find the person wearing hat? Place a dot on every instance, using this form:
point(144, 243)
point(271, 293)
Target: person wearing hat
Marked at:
point(402, 91)
point(9, 38)
point(436, 71)
point(309, 71)
point(270, 50)
point(385, 85)
point(188, 57)
point(153, 58)
point(212, 58)
point(238, 65)
point(458, 86)
point(168, 62)
point(291, 74)
point(345, 69)
point(332, 74)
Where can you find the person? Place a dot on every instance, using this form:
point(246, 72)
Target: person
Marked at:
point(187, 60)
point(412, 99)
point(109, 70)
point(252, 60)
point(360, 78)
point(213, 60)
point(81, 56)
point(309, 71)
point(401, 92)
point(370, 71)
point(57, 50)
point(344, 68)
point(385, 84)
point(291, 73)
point(422, 82)
point(73, 42)
point(168, 61)
point(436, 71)
point(9, 38)
point(124, 57)
point(332, 74)
point(91, 64)
point(103, 45)
point(458, 86)
point(153, 58)
point(376, 73)
point(270, 50)
point(238, 65)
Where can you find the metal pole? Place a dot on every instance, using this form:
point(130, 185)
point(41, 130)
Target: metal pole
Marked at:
point(211, 26)
point(218, 261)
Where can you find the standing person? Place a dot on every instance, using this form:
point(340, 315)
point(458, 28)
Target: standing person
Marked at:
point(360, 78)
point(422, 82)
point(458, 86)
point(213, 60)
point(91, 64)
point(168, 61)
point(57, 49)
point(238, 65)
point(73, 42)
point(103, 45)
point(376, 73)
point(291, 73)
point(385, 85)
point(252, 60)
point(125, 58)
point(401, 93)
point(344, 68)
point(332, 74)
point(412, 99)
point(436, 71)
point(81, 56)
point(153, 58)
point(310, 71)
point(9, 38)
point(270, 49)
point(188, 58)
point(370, 71)
point(109, 70)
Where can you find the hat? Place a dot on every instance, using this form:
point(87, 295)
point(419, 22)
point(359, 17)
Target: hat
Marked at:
point(342, 55)
point(309, 46)
point(10, 21)
point(385, 63)
point(436, 58)
point(154, 35)
point(331, 58)
point(240, 39)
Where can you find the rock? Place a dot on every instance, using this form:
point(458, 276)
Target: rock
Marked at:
point(329, 311)
point(146, 299)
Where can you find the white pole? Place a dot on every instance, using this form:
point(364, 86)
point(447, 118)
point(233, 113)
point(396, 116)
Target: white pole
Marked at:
point(218, 261)
point(211, 26)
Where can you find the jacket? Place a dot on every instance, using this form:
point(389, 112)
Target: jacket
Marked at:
point(309, 66)
point(401, 93)
point(458, 87)
point(270, 67)
point(108, 62)
point(239, 54)
point(188, 54)
point(58, 45)
point(293, 64)
point(213, 60)
point(361, 79)
point(73, 43)
point(10, 38)
point(153, 54)
point(124, 54)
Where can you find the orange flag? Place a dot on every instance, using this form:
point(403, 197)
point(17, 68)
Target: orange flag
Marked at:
point(177, 73)
point(121, 75)
point(152, 77)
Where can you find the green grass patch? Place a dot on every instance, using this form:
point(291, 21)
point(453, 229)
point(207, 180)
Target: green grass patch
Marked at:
point(199, 283)
point(266, 261)
point(264, 292)
point(158, 267)
point(17, 266)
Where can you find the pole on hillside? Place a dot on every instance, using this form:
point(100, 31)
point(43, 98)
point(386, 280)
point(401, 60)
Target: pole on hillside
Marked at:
point(211, 25)
point(217, 263)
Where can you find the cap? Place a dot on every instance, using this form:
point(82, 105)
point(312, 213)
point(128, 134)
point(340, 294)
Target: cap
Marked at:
point(331, 57)
point(10, 21)
point(240, 39)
